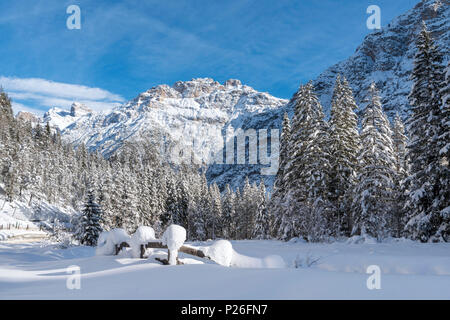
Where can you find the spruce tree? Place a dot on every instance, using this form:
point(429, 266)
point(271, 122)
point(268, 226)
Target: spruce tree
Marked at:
point(428, 196)
point(278, 186)
point(372, 204)
point(6, 112)
point(201, 210)
point(444, 134)
point(399, 140)
point(307, 171)
point(89, 224)
point(229, 213)
point(172, 199)
point(8, 147)
point(247, 212)
point(215, 215)
point(443, 144)
point(262, 219)
point(276, 205)
point(344, 148)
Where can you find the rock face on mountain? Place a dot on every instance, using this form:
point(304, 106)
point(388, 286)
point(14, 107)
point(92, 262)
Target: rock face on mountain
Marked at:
point(28, 117)
point(386, 56)
point(78, 110)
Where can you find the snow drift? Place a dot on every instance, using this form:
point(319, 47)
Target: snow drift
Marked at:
point(173, 238)
point(143, 235)
point(108, 239)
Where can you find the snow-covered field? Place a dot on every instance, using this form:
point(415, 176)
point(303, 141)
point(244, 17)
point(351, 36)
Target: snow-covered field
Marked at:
point(409, 270)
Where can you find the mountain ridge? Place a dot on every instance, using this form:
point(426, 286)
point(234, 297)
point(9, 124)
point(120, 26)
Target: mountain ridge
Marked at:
point(198, 113)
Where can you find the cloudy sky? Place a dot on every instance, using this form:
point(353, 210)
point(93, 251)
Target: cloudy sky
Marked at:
point(125, 47)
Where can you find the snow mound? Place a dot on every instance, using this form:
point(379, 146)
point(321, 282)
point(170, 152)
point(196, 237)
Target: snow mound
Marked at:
point(105, 249)
point(108, 239)
point(174, 238)
point(142, 235)
point(221, 252)
point(102, 238)
point(118, 236)
point(242, 261)
point(273, 261)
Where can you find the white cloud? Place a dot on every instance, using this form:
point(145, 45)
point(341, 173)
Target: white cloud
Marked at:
point(46, 94)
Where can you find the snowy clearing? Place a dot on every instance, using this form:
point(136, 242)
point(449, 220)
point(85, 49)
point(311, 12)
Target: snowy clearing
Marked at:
point(409, 270)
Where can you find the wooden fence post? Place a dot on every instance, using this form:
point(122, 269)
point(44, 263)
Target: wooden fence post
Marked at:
point(119, 247)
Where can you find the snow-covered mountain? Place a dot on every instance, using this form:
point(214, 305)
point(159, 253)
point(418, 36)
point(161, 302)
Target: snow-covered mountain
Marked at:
point(60, 118)
point(190, 115)
point(198, 113)
point(386, 56)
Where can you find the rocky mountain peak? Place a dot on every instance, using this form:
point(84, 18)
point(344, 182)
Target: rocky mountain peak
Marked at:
point(233, 83)
point(60, 118)
point(196, 87)
point(78, 109)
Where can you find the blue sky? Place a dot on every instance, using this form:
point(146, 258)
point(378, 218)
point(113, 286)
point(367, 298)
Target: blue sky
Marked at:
point(125, 47)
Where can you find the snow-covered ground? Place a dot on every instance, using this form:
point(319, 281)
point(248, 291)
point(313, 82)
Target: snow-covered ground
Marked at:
point(22, 235)
point(14, 223)
point(25, 221)
point(21, 212)
point(409, 270)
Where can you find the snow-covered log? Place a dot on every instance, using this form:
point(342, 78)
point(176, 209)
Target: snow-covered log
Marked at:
point(220, 251)
point(184, 249)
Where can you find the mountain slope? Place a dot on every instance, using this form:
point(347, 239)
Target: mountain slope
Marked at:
point(386, 56)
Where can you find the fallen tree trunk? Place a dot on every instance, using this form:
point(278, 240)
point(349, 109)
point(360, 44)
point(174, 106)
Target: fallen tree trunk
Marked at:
point(160, 245)
point(184, 249)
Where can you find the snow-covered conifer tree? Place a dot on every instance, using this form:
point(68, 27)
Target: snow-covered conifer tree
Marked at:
point(247, 211)
point(428, 201)
point(399, 140)
point(215, 215)
point(229, 213)
point(344, 148)
point(262, 219)
point(372, 204)
point(307, 171)
point(89, 223)
point(276, 205)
